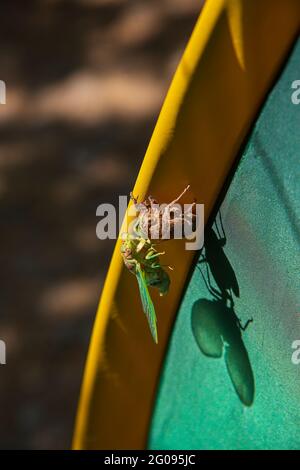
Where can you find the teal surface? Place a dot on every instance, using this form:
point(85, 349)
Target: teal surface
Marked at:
point(222, 387)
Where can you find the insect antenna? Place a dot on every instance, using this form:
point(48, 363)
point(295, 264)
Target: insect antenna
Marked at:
point(180, 196)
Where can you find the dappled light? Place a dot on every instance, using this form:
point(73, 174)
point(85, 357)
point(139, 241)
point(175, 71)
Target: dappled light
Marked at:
point(85, 82)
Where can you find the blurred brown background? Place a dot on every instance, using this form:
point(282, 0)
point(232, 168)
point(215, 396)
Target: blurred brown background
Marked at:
point(85, 82)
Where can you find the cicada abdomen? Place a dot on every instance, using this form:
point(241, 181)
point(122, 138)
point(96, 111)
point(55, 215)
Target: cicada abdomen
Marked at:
point(141, 259)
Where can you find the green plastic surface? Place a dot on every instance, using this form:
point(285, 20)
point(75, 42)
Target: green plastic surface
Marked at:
point(221, 387)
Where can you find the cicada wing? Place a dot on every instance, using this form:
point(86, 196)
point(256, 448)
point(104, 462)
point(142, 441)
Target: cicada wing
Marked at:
point(147, 303)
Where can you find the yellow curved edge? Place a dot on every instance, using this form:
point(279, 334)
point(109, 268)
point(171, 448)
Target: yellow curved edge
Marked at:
point(234, 53)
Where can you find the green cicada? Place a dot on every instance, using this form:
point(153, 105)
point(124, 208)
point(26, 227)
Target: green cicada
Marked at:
point(142, 259)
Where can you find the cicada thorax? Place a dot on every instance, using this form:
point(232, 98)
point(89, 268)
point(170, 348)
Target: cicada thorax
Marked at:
point(141, 252)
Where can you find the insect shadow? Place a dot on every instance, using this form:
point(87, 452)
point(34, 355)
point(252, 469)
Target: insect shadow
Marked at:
point(215, 325)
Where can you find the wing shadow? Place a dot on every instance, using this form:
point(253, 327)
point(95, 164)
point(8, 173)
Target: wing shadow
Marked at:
point(216, 328)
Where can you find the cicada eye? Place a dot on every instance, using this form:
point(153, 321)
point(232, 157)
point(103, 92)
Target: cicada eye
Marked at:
point(154, 282)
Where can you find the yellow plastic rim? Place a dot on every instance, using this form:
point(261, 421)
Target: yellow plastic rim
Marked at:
point(226, 70)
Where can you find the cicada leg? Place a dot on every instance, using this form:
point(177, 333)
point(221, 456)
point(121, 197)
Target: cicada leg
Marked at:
point(141, 244)
point(222, 236)
point(152, 200)
point(134, 199)
point(243, 328)
point(213, 291)
point(152, 254)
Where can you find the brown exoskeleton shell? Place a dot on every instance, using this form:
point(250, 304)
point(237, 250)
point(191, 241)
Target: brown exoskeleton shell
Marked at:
point(164, 221)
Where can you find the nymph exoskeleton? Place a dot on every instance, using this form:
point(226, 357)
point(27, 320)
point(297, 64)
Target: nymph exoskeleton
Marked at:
point(141, 259)
point(164, 221)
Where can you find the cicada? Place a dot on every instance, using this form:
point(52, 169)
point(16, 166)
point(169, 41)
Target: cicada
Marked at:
point(140, 256)
point(142, 259)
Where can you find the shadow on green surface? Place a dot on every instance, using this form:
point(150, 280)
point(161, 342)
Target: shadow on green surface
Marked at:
point(215, 324)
